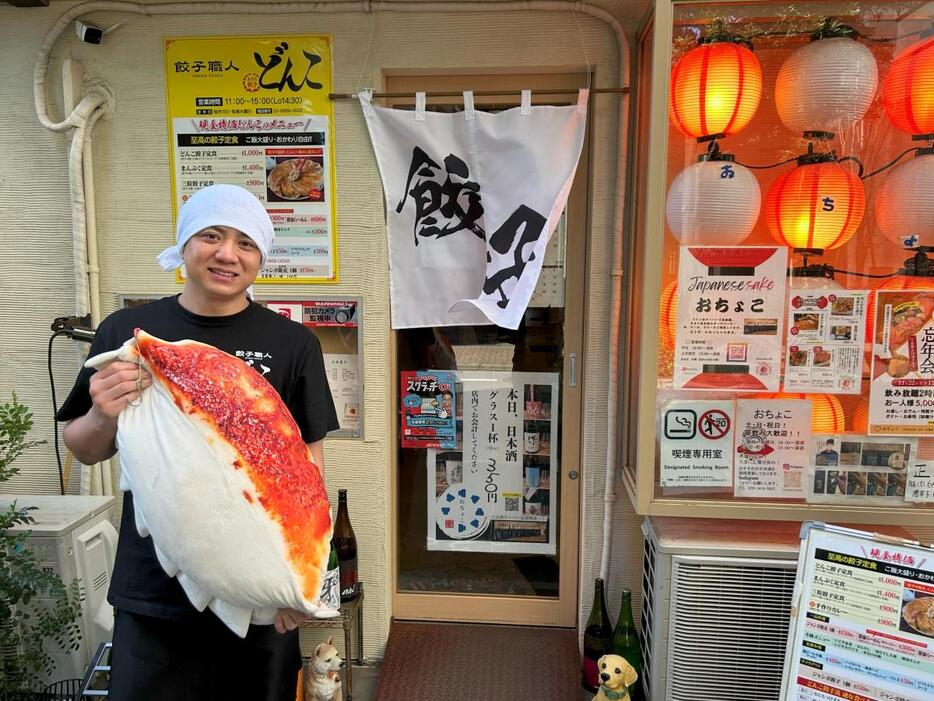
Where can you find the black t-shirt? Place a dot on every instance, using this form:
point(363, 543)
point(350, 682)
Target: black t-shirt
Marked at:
point(287, 354)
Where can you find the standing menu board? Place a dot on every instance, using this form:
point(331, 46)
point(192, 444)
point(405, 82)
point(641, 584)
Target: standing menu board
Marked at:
point(862, 625)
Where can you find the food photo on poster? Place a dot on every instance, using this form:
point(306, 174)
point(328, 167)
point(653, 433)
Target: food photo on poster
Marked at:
point(902, 370)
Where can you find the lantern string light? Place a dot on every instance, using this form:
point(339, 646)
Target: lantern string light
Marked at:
point(913, 149)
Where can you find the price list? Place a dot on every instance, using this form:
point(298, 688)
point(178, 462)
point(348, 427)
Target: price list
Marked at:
point(858, 638)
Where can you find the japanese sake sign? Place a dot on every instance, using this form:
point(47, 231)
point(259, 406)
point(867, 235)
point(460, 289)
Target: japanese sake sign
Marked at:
point(826, 331)
point(901, 393)
point(730, 313)
point(254, 111)
point(772, 442)
point(697, 443)
point(496, 490)
point(428, 409)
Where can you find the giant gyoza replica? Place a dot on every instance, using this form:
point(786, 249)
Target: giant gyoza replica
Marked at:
point(223, 483)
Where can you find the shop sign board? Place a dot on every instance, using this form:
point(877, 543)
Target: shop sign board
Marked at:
point(697, 443)
point(862, 615)
point(254, 111)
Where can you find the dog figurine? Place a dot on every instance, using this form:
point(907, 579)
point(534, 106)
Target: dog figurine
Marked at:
point(616, 676)
point(323, 674)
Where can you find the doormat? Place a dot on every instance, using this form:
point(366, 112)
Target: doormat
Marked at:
point(467, 662)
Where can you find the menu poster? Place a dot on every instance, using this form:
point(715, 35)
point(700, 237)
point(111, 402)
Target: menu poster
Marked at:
point(428, 409)
point(254, 111)
point(862, 619)
point(825, 341)
point(855, 469)
point(772, 438)
point(496, 491)
point(697, 443)
point(731, 306)
point(901, 392)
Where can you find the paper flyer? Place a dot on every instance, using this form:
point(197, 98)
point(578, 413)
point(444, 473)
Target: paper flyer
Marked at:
point(825, 341)
point(731, 307)
point(901, 396)
point(496, 491)
point(772, 440)
point(853, 469)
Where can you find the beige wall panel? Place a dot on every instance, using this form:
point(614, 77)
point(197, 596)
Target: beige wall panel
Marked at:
point(134, 220)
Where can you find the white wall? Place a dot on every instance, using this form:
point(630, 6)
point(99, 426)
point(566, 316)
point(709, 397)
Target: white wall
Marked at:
point(134, 219)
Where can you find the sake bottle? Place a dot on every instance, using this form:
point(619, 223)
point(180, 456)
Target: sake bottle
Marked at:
point(598, 638)
point(346, 544)
point(626, 643)
point(331, 589)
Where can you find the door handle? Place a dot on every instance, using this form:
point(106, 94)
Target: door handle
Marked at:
point(572, 369)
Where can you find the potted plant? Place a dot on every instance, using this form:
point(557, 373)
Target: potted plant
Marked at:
point(28, 628)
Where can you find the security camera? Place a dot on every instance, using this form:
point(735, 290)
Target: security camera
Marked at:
point(88, 32)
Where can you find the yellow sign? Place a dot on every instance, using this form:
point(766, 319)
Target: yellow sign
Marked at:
point(254, 111)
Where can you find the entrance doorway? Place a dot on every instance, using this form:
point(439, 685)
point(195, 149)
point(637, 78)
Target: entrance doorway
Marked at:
point(521, 569)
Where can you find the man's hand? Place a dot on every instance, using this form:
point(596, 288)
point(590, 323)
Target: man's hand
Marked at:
point(112, 389)
point(289, 619)
point(115, 386)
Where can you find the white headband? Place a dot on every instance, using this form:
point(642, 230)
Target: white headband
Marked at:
point(219, 205)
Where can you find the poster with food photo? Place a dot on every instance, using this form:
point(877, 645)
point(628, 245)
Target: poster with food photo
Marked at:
point(824, 342)
point(847, 468)
point(901, 396)
point(730, 314)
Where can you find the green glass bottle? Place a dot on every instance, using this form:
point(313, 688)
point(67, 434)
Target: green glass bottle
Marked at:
point(331, 589)
point(598, 638)
point(626, 643)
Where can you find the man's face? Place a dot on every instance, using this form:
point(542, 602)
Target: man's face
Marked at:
point(221, 262)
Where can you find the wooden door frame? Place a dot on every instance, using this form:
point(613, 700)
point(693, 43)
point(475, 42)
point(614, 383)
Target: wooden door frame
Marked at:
point(486, 608)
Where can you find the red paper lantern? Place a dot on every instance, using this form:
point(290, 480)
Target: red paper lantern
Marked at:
point(826, 410)
point(908, 88)
point(715, 89)
point(861, 416)
point(668, 315)
point(819, 204)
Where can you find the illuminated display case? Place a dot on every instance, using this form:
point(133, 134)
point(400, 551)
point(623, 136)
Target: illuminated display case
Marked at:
point(779, 352)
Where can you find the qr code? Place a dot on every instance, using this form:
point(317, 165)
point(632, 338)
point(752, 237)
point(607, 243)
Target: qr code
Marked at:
point(513, 503)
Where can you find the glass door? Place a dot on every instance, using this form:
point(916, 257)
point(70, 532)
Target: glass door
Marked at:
point(484, 535)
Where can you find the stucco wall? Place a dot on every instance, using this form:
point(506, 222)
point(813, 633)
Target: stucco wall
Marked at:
point(134, 219)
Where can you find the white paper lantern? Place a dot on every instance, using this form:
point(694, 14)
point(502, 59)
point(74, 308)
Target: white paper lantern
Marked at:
point(826, 85)
point(713, 202)
point(905, 203)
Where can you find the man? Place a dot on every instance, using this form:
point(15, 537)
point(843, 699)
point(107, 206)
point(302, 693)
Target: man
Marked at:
point(163, 647)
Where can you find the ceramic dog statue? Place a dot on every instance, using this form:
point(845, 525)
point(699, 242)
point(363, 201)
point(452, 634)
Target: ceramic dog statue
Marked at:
point(616, 676)
point(323, 674)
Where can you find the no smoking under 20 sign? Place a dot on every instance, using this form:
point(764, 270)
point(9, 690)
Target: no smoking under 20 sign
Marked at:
point(697, 443)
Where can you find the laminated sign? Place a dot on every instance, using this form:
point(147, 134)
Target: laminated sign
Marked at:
point(472, 199)
point(254, 111)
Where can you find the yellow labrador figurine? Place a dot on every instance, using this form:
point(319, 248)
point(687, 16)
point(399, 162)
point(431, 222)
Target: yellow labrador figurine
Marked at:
point(616, 676)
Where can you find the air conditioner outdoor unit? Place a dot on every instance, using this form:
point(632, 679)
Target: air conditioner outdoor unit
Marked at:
point(716, 607)
point(73, 536)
